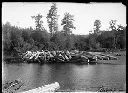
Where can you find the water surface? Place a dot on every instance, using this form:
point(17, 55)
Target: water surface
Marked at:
point(71, 77)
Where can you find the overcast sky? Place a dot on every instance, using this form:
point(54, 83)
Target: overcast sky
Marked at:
point(19, 14)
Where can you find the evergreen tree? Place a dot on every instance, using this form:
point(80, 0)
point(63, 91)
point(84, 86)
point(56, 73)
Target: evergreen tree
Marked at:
point(67, 23)
point(38, 22)
point(113, 28)
point(97, 25)
point(112, 24)
point(52, 19)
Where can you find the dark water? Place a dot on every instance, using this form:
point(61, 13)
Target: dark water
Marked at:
point(71, 77)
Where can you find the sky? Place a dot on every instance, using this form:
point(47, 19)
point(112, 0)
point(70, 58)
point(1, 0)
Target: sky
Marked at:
point(19, 14)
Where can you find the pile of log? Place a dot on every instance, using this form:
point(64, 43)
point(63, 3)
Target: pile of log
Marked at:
point(102, 56)
point(65, 56)
point(46, 56)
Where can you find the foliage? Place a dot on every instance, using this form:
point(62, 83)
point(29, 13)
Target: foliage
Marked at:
point(107, 38)
point(82, 43)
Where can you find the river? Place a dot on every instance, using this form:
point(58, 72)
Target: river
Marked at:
point(71, 77)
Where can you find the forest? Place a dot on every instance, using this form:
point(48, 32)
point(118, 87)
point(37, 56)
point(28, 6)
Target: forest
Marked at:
point(19, 40)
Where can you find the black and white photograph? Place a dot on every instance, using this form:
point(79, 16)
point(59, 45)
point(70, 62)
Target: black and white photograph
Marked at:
point(63, 47)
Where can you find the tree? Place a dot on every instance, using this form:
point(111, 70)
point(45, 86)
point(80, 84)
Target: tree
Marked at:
point(112, 24)
point(38, 22)
point(121, 36)
point(67, 23)
point(6, 37)
point(12, 39)
point(82, 43)
point(93, 43)
point(52, 19)
point(113, 28)
point(97, 25)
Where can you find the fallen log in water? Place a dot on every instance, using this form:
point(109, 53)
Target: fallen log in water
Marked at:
point(47, 88)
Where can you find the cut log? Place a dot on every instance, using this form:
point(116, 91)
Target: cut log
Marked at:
point(47, 88)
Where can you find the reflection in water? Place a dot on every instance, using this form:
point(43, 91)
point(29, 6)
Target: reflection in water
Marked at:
point(70, 76)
